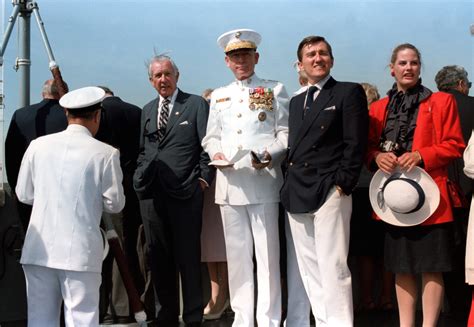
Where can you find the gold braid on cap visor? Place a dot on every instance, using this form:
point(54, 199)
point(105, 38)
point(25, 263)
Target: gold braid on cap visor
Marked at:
point(240, 45)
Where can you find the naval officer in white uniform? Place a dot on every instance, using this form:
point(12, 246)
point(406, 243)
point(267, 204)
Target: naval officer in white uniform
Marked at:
point(249, 114)
point(69, 178)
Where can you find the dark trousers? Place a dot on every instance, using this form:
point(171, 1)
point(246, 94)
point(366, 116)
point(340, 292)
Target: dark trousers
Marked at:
point(172, 229)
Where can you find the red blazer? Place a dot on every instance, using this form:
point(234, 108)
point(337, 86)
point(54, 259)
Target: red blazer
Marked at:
point(438, 138)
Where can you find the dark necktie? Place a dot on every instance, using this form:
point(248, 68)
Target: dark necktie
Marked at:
point(309, 98)
point(163, 121)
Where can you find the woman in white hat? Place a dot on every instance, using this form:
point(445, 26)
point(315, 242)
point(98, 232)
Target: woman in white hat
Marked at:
point(414, 127)
point(469, 171)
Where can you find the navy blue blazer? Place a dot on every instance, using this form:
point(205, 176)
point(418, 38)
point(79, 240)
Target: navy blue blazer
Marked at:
point(120, 128)
point(176, 163)
point(27, 124)
point(326, 147)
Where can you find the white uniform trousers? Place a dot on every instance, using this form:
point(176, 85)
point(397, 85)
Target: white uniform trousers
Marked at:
point(322, 244)
point(246, 227)
point(298, 308)
point(46, 288)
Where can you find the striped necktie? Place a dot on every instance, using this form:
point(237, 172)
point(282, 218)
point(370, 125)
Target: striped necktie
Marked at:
point(163, 120)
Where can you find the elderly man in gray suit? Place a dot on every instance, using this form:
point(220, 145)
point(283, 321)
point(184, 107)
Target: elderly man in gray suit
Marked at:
point(172, 171)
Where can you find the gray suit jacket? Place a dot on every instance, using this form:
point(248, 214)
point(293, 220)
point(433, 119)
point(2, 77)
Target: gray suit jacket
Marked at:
point(176, 163)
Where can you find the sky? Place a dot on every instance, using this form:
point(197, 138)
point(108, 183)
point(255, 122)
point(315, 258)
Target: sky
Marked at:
point(105, 42)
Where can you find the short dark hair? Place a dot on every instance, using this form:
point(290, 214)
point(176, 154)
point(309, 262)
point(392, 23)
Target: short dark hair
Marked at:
point(311, 40)
point(84, 113)
point(106, 89)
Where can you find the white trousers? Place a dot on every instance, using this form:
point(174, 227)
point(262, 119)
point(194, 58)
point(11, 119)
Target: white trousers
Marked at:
point(245, 228)
point(298, 303)
point(322, 244)
point(46, 288)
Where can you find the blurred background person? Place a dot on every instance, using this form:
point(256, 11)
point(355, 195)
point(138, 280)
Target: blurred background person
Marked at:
point(302, 79)
point(453, 80)
point(120, 128)
point(213, 249)
point(469, 171)
point(367, 241)
point(27, 124)
point(414, 127)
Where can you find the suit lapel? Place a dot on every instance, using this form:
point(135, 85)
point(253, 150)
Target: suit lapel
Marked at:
point(153, 116)
point(324, 96)
point(179, 107)
point(296, 119)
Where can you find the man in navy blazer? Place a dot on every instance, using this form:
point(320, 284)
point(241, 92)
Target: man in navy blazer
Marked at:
point(172, 171)
point(328, 129)
point(27, 124)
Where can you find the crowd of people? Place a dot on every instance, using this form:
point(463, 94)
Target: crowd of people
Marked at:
point(240, 175)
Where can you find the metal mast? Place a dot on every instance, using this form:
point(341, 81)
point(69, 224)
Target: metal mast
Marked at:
point(2, 108)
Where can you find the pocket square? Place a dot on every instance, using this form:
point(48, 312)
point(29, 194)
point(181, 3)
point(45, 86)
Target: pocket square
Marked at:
point(330, 108)
point(184, 123)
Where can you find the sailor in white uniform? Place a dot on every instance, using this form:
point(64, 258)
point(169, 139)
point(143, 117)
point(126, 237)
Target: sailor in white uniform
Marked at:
point(69, 178)
point(250, 114)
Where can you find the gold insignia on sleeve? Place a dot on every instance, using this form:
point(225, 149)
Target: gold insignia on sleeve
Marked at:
point(223, 100)
point(261, 98)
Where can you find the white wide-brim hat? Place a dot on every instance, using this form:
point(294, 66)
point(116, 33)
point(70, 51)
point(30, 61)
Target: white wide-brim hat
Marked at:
point(404, 198)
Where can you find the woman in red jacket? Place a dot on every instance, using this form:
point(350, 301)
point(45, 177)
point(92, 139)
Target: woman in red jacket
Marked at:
point(415, 127)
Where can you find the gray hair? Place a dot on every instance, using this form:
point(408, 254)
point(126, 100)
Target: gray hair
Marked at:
point(50, 89)
point(162, 58)
point(449, 76)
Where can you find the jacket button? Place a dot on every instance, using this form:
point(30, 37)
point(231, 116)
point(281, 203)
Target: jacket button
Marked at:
point(240, 147)
point(239, 115)
point(241, 100)
point(306, 164)
point(291, 163)
point(313, 147)
point(239, 131)
point(322, 126)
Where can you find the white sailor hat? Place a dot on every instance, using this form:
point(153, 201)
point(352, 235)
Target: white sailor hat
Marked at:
point(82, 98)
point(243, 38)
point(404, 198)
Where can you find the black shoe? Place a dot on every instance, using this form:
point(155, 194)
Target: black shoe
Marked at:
point(194, 324)
point(164, 323)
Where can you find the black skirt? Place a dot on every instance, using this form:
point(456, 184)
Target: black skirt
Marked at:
point(419, 249)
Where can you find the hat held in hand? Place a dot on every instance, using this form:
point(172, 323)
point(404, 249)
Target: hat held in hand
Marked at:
point(404, 198)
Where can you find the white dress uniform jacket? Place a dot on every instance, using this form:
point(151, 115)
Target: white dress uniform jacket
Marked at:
point(233, 124)
point(69, 178)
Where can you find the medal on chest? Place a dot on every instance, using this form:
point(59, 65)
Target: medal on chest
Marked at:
point(261, 98)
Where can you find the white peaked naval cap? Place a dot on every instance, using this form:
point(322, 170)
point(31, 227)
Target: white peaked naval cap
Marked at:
point(82, 98)
point(243, 38)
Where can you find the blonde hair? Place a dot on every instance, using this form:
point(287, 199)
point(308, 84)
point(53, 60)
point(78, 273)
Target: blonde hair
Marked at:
point(371, 92)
